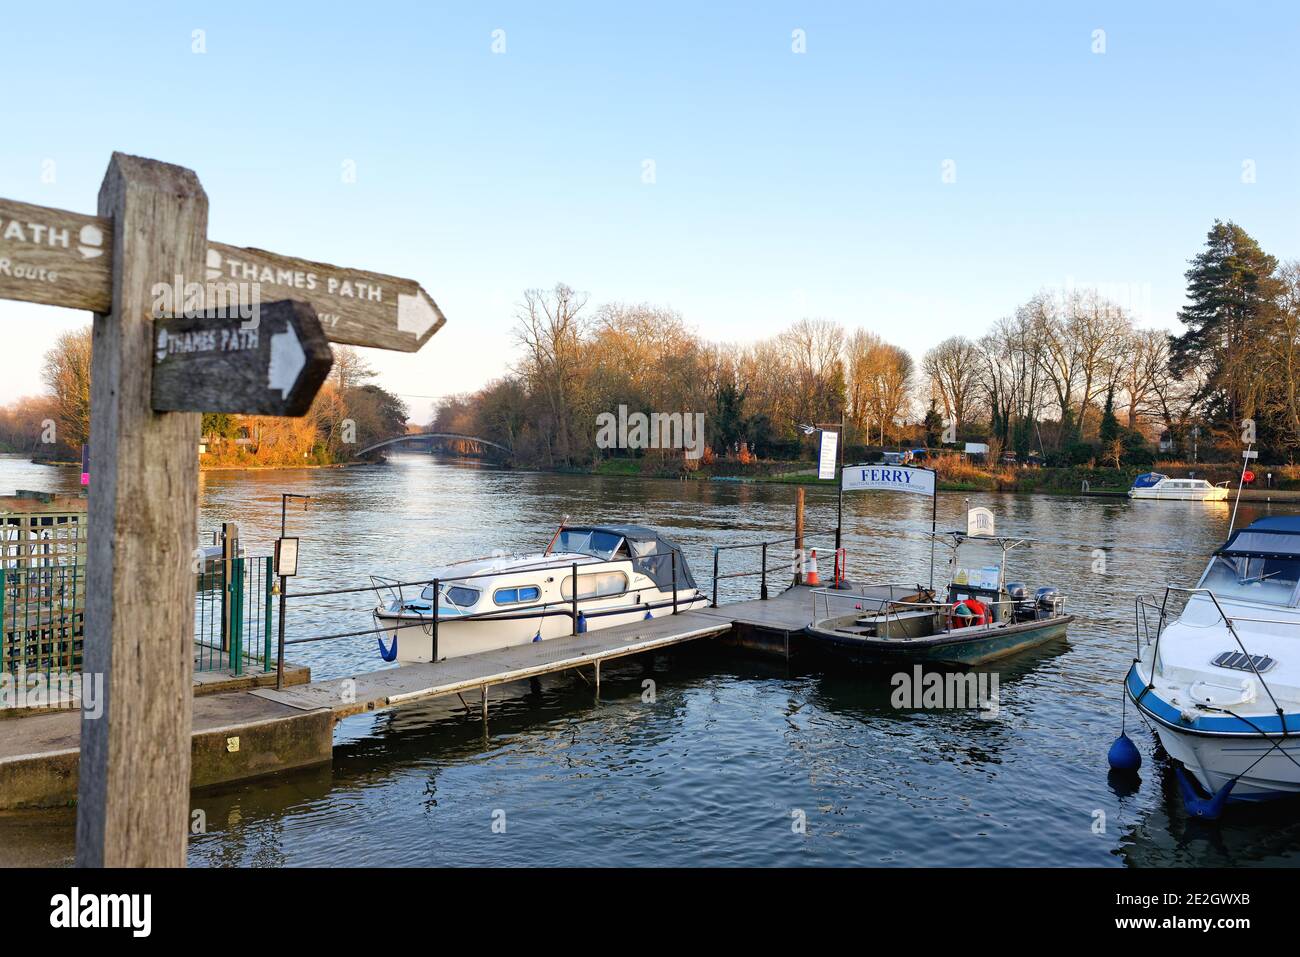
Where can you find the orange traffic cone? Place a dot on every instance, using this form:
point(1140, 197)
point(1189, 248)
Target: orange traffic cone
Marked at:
point(812, 578)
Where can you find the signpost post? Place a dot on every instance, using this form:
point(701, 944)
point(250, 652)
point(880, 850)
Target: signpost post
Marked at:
point(151, 377)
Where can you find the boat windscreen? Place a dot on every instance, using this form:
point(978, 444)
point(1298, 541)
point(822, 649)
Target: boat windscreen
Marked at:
point(587, 541)
point(1254, 578)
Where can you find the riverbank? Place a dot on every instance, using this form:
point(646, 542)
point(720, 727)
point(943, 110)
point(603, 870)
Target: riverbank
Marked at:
point(1074, 480)
point(203, 467)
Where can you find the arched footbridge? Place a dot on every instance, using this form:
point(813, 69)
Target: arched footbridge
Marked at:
point(432, 437)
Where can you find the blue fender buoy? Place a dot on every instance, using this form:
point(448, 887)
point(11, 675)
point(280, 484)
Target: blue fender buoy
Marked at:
point(1207, 808)
point(538, 636)
point(648, 616)
point(1124, 755)
point(582, 623)
point(388, 654)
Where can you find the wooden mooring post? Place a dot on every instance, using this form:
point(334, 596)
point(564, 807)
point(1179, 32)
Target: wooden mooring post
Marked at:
point(798, 537)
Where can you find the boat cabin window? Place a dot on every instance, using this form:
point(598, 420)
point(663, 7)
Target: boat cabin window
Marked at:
point(524, 594)
point(598, 585)
point(1253, 578)
point(458, 595)
point(586, 541)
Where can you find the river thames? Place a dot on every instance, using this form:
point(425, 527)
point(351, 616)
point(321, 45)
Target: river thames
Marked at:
point(733, 752)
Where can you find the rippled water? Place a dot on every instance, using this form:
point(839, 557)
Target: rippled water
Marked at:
point(733, 749)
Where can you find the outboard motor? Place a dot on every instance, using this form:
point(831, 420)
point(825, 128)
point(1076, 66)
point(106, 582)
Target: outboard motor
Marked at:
point(1022, 607)
point(1048, 601)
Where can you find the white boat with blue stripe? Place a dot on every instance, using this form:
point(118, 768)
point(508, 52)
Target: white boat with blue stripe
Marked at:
point(624, 573)
point(1220, 682)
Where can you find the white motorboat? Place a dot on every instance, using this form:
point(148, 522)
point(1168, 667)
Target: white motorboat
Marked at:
point(1154, 485)
point(1220, 682)
point(625, 573)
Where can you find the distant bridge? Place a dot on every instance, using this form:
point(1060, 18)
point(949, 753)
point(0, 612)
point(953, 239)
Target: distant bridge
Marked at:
point(435, 436)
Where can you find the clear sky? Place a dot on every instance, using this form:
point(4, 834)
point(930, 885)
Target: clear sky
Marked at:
point(784, 184)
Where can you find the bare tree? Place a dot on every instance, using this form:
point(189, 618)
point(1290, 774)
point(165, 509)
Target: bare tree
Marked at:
point(66, 373)
point(954, 367)
point(1142, 362)
point(550, 327)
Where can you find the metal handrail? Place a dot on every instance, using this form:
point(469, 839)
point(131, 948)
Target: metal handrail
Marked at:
point(764, 567)
point(829, 593)
point(1227, 620)
point(890, 606)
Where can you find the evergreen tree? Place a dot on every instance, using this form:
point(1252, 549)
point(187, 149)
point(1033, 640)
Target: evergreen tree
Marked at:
point(1232, 291)
point(933, 425)
point(1109, 429)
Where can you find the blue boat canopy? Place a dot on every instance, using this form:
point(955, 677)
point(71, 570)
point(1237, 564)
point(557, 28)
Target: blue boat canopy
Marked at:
point(1274, 537)
point(1149, 480)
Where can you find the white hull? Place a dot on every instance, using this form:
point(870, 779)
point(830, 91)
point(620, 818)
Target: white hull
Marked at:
point(1215, 761)
point(457, 638)
point(1180, 495)
point(619, 573)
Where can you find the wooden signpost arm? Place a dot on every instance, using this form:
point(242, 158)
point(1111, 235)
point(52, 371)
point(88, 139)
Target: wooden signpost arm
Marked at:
point(133, 800)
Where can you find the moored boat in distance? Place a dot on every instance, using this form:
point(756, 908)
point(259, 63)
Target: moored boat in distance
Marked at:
point(1218, 681)
point(1155, 485)
point(625, 573)
point(980, 619)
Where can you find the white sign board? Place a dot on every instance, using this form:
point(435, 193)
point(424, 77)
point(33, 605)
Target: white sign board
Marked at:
point(1250, 454)
point(826, 461)
point(979, 521)
point(986, 576)
point(889, 478)
point(977, 448)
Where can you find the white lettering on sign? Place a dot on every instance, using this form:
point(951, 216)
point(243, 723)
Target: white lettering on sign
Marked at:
point(235, 339)
point(90, 239)
point(19, 270)
point(230, 267)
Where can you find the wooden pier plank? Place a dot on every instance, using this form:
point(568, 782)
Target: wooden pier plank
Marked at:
point(381, 689)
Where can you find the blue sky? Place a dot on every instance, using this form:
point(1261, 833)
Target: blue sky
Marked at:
point(785, 185)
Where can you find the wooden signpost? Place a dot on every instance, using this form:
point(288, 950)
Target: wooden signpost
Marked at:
point(152, 375)
point(59, 258)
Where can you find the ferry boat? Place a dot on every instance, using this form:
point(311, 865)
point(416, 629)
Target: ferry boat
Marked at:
point(1218, 680)
point(981, 617)
point(1158, 486)
point(625, 573)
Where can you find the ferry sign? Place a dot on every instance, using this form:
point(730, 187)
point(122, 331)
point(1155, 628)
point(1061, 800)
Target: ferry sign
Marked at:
point(888, 478)
point(979, 522)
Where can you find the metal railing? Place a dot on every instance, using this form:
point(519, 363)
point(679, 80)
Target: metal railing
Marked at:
point(232, 616)
point(825, 595)
point(42, 618)
point(795, 555)
point(892, 607)
point(1157, 666)
point(567, 607)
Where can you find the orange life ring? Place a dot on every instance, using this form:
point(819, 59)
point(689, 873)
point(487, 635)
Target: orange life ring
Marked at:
point(979, 613)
